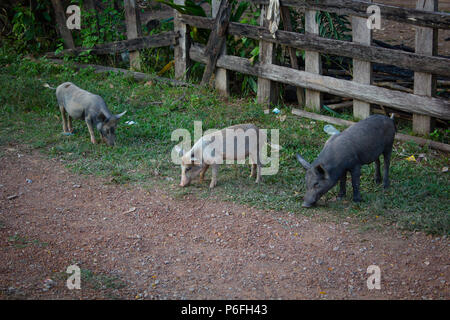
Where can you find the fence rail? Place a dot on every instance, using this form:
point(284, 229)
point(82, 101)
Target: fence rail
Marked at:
point(417, 62)
point(440, 20)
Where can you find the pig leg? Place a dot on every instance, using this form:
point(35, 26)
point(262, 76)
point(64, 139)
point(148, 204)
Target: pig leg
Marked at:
point(69, 124)
point(356, 175)
point(377, 171)
point(258, 173)
point(253, 173)
point(387, 161)
point(256, 166)
point(64, 119)
point(214, 170)
point(202, 173)
point(342, 186)
point(91, 130)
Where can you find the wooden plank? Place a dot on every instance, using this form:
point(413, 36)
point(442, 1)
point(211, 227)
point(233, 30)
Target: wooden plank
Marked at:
point(221, 77)
point(63, 31)
point(286, 18)
point(408, 60)
point(398, 136)
point(440, 20)
point(216, 40)
point(362, 69)
point(435, 107)
point(154, 41)
point(266, 94)
point(181, 51)
point(425, 83)
point(313, 62)
point(133, 24)
point(138, 76)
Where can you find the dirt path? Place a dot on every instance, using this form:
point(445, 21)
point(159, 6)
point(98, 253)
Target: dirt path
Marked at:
point(189, 249)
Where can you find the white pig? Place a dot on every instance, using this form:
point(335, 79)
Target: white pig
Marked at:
point(233, 143)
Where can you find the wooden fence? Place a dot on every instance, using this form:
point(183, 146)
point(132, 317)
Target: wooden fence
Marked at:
point(426, 64)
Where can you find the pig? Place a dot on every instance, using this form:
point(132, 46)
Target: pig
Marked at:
point(360, 144)
point(81, 104)
point(245, 141)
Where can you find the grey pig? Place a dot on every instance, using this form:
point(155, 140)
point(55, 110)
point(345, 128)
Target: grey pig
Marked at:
point(360, 144)
point(81, 104)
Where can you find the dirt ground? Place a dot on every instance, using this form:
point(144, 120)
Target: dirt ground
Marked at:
point(137, 244)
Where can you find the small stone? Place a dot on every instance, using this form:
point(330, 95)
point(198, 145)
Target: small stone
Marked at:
point(76, 186)
point(335, 248)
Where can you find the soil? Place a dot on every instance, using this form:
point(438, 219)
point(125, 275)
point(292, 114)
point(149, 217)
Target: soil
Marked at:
point(133, 243)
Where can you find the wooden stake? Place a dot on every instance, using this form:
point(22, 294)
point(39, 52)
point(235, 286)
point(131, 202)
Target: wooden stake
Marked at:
point(133, 23)
point(425, 83)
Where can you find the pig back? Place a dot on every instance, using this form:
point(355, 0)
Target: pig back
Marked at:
point(361, 143)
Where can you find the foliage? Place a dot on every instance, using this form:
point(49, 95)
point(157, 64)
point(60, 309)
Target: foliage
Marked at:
point(32, 27)
point(97, 27)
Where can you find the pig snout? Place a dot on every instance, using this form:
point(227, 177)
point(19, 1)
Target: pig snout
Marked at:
point(309, 200)
point(185, 181)
point(307, 204)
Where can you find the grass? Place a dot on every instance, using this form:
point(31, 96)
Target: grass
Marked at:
point(21, 242)
point(417, 200)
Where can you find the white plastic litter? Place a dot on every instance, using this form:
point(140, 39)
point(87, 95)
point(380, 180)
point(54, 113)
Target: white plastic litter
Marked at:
point(276, 111)
point(330, 129)
point(130, 122)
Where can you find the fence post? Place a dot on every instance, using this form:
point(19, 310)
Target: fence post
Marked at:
point(362, 70)
point(267, 94)
point(221, 78)
point(181, 51)
point(425, 83)
point(313, 62)
point(286, 18)
point(133, 23)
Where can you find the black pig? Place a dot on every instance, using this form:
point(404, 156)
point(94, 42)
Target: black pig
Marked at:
point(360, 144)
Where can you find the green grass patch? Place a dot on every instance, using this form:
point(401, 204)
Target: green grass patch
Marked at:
point(417, 200)
point(21, 242)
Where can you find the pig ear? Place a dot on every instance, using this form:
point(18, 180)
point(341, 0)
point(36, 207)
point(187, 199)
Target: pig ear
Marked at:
point(321, 170)
point(303, 162)
point(118, 116)
point(179, 150)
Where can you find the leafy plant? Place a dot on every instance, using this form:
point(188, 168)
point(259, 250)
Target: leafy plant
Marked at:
point(32, 27)
point(103, 26)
